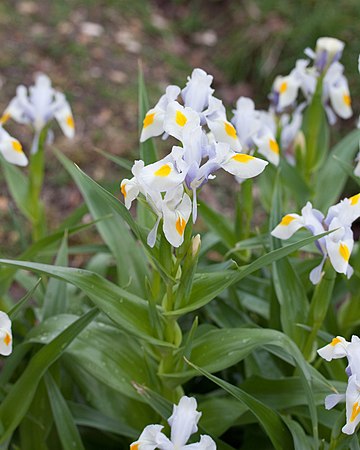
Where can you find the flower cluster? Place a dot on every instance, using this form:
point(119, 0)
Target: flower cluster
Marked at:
point(36, 107)
point(338, 244)
point(327, 70)
point(5, 334)
point(339, 348)
point(209, 142)
point(183, 423)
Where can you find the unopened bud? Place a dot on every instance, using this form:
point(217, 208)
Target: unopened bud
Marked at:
point(195, 245)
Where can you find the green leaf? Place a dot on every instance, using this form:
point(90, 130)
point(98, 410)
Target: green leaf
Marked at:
point(18, 186)
point(121, 162)
point(7, 273)
point(126, 309)
point(269, 419)
point(218, 223)
point(131, 263)
point(148, 151)
point(16, 308)
point(55, 300)
point(290, 292)
point(294, 181)
point(16, 403)
point(326, 191)
point(115, 366)
point(208, 285)
point(88, 417)
point(68, 433)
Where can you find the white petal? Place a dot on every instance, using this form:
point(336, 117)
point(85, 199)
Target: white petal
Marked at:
point(316, 274)
point(268, 147)
point(352, 406)
point(287, 89)
point(206, 443)
point(5, 334)
point(151, 239)
point(336, 349)
point(175, 221)
point(197, 90)
point(11, 149)
point(224, 131)
point(153, 124)
point(243, 165)
point(288, 226)
point(148, 439)
point(339, 253)
point(183, 421)
point(161, 176)
point(65, 119)
point(130, 189)
point(333, 399)
point(341, 101)
point(177, 117)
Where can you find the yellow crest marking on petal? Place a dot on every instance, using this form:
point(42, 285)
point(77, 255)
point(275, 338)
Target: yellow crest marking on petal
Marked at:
point(335, 341)
point(274, 147)
point(344, 252)
point(7, 339)
point(354, 199)
point(355, 411)
point(164, 171)
point(347, 99)
point(286, 220)
point(123, 189)
point(134, 446)
point(149, 119)
point(180, 225)
point(180, 118)
point(70, 121)
point(4, 118)
point(242, 158)
point(283, 87)
point(16, 146)
point(230, 130)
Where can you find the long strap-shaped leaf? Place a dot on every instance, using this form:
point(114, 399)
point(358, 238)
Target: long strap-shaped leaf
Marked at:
point(17, 402)
point(269, 419)
point(126, 309)
point(67, 431)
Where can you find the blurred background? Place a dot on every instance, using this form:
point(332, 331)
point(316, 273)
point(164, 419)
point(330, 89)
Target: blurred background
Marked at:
point(91, 49)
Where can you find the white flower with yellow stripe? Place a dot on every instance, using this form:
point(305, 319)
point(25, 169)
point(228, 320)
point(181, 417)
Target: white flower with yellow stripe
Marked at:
point(336, 94)
point(38, 106)
point(285, 91)
point(5, 334)
point(183, 423)
point(153, 124)
point(220, 127)
point(339, 348)
point(338, 244)
point(11, 149)
point(178, 118)
point(253, 131)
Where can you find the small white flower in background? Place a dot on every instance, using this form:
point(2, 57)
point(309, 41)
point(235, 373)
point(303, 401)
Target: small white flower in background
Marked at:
point(339, 348)
point(338, 244)
point(285, 91)
point(5, 334)
point(11, 149)
point(183, 423)
point(327, 51)
point(38, 106)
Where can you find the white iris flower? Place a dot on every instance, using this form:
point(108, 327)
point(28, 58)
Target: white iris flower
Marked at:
point(38, 106)
point(337, 245)
point(183, 423)
point(5, 334)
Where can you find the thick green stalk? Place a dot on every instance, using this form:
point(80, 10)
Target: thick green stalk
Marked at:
point(319, 307)
point(36, 178)
point(313, 126)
